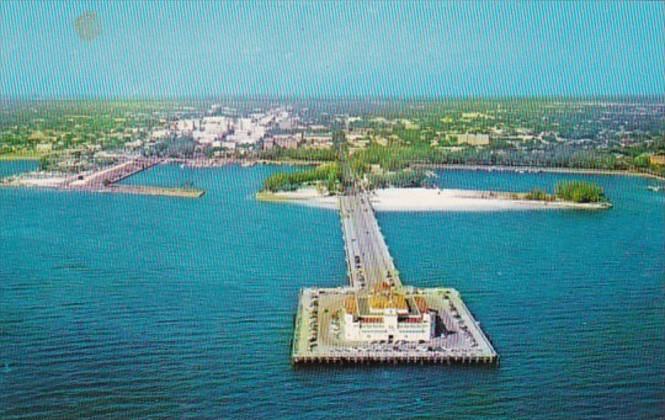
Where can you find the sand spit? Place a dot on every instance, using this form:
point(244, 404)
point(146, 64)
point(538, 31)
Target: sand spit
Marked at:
point(430, 200)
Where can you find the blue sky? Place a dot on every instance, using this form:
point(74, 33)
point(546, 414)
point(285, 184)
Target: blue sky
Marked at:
point(434, 49)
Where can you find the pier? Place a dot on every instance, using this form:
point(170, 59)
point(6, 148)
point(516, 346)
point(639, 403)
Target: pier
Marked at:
point(325, 314)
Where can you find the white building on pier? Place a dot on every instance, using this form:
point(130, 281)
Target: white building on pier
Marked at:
point(387, 315)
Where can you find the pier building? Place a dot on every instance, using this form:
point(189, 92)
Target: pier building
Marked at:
point(387, 315)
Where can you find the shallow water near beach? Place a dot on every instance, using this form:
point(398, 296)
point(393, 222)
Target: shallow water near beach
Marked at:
point(126, 306)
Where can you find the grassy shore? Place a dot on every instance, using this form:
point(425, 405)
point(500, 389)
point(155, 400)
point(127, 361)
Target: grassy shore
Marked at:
point(13, 156)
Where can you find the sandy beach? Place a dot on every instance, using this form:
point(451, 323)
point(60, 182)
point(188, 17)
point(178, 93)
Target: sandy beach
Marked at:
point(429, 200)
point(308, 196)
point(37, 180)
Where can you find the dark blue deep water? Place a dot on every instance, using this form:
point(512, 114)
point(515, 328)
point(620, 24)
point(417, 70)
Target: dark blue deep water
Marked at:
point(127, 306)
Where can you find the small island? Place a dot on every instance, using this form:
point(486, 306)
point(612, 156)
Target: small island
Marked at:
point(413, 190)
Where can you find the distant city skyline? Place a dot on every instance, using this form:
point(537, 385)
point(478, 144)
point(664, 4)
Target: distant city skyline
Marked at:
point(327, 49)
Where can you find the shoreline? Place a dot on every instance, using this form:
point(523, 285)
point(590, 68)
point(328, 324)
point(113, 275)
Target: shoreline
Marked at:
point(220, 162)
point(536, 169)
point(214, 162)
point(430, 200)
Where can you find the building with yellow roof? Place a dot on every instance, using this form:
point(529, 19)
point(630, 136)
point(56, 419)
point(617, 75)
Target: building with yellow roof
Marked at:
point(386, 314)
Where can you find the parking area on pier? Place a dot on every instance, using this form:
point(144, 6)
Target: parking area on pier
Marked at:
point(319, 335)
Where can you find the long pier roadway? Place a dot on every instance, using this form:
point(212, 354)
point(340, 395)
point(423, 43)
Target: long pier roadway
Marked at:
point(369, 261)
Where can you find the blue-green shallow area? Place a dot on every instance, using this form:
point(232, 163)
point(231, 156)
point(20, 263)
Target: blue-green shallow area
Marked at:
point(125, 306)
point(14, 167)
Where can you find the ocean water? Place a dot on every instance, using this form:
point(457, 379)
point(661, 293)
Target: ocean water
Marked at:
point(127, 306)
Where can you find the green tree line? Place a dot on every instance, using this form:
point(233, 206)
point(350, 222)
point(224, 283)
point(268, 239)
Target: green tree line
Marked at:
point(402, 179)
point(580, 192)
point(330, 174)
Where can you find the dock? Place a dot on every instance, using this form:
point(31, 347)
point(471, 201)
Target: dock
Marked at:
point(318, 325)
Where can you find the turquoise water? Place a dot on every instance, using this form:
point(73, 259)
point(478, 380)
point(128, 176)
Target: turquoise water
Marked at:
point(125, 306)
point(8, 168)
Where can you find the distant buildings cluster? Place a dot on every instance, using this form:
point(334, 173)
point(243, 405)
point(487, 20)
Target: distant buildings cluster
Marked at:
point(275, 128)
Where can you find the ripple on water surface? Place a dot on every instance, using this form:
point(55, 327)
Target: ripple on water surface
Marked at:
point(117, 305)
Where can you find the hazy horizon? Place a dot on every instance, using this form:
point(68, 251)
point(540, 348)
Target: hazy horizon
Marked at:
point(94, 50)
point(363, 98)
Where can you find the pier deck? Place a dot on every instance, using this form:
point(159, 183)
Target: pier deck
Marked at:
point(318, 338)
